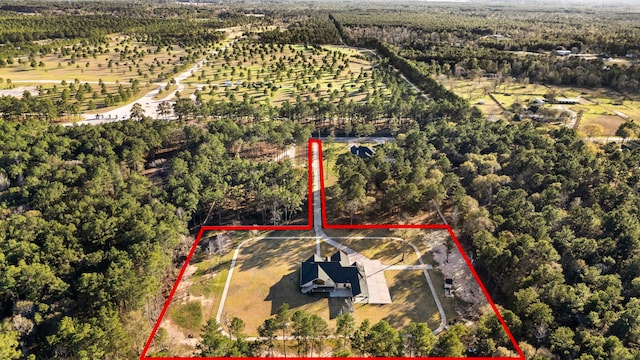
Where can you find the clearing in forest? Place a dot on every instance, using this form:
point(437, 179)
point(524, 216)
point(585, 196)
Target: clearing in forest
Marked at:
point(597, 112)
point(249, 271)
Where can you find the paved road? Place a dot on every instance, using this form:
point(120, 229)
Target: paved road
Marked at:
point(149, 105)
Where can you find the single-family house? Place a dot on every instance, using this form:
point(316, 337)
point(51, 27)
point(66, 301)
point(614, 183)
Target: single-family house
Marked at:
point(333, 276)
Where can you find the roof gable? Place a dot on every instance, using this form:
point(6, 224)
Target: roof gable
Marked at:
point(335, 269)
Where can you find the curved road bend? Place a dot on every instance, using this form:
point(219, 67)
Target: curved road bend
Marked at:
point(149, 105)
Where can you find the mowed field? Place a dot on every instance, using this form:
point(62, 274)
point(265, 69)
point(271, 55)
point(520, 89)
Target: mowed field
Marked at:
point(259, 73)
point(602, 110)
point(95, 78)
point(122, 59)
point(268, 271)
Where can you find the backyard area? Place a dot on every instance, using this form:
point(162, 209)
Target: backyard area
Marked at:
point(267, 274)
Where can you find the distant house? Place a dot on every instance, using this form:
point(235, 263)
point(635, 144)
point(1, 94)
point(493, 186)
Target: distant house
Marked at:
point(538, 101)
point(228, 83)
point(333, 276)
point(362, 151)
point(562, 52)
point(569, 101)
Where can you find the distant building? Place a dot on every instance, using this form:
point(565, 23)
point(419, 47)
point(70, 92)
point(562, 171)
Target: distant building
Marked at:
point(562, 52)
point(538, 101)
point(362, 151)
point(568, 101)
point(604, 57)
point(333, 276)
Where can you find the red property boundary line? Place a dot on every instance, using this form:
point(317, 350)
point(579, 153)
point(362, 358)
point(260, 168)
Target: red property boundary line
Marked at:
point(325, 225)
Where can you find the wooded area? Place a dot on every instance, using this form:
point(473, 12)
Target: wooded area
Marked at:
point(95, 221)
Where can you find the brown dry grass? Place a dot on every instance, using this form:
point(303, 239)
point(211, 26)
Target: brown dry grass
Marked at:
point(412, 301)
point(267, 275)
point(61, 68)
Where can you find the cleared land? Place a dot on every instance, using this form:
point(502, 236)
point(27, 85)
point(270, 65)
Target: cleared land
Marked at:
point(600, 111)
point(266, 275)
point(257, 73)
point(123, 59)
point(97, 78)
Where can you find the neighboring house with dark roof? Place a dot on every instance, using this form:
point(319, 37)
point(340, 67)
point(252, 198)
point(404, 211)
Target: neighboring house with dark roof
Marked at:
point(362, 151)
point(333, 276)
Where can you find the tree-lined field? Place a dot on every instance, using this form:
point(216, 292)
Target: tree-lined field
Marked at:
point(121, 58)
point(340, 87)
point(600, 111)
point(266, 277)
point(273, 73)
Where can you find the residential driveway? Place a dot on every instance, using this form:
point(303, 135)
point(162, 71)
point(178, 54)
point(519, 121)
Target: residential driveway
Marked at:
point(373, 269)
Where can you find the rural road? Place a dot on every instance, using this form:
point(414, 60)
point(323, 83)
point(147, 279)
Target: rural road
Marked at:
point(374, 270)
point(412, 85)
point(149, 105)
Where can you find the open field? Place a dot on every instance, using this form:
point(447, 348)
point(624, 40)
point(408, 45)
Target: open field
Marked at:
point(266, 275)
point(123, 59)
point(433, 246)
point(601, 110)
point(268, 270)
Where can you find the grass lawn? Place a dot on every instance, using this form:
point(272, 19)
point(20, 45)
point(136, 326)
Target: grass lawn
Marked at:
point(412, 301)
point(187, 315)
point(603, 109)
point(389, 251)
point(330, 153)
point(265, 277)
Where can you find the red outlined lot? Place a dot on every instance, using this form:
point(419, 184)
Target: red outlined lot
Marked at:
point(325, 225)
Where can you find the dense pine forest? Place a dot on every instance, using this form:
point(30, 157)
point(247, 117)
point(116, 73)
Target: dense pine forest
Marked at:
point(96, 221)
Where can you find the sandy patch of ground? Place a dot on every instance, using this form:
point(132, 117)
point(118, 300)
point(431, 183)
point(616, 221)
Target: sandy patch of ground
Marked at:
point(454, 267)
point(18, 91)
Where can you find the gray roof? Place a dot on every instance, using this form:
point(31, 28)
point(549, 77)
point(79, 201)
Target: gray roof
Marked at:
point(334, 269)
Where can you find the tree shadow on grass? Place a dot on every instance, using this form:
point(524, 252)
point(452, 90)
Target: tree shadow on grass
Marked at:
point(411, 289)
point(263, 253)
point(287, 290)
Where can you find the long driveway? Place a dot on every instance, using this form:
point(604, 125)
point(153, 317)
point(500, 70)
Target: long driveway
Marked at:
point(374, 269)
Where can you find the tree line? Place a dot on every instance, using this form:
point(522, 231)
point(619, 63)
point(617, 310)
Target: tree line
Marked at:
point(550, 220)
point(301, 334)
point(89, 246)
